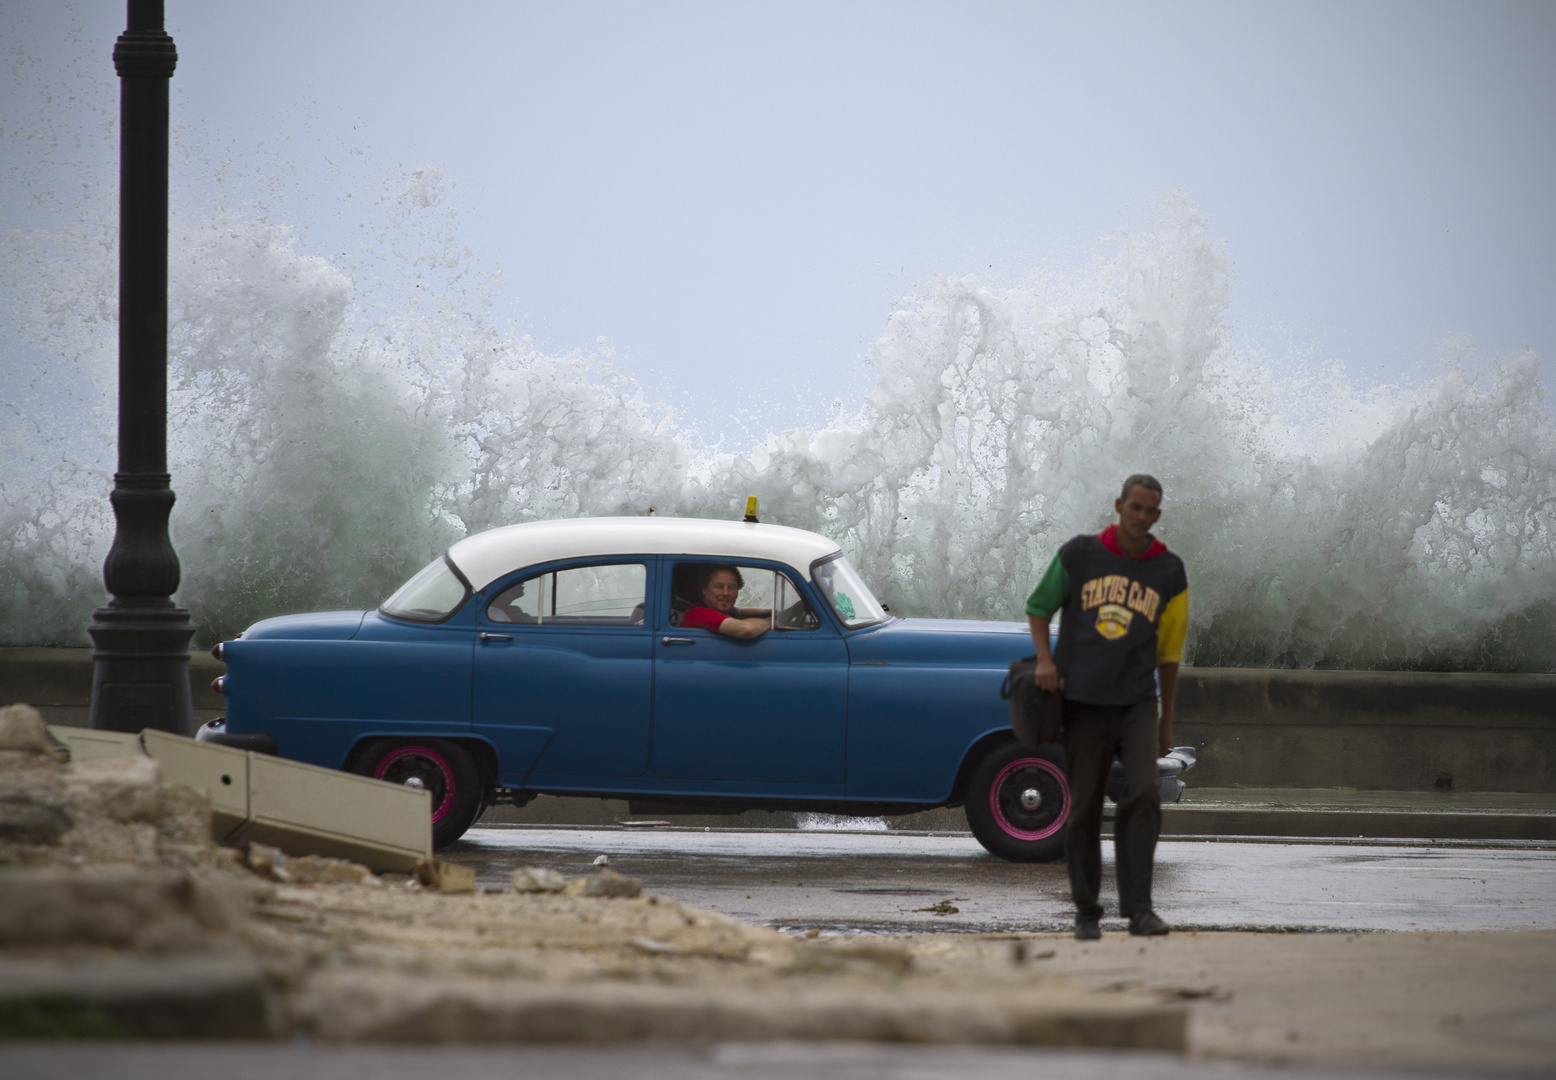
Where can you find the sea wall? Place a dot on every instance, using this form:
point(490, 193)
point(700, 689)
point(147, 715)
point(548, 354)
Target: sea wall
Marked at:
point(58, 683)
point(1254, 728)
point(1370, 730)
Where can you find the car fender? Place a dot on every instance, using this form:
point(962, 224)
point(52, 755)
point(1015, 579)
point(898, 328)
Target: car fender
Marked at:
point(975, 752)
point(488, 757)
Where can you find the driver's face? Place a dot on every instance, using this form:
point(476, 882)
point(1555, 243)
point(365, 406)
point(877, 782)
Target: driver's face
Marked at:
point(721, 591)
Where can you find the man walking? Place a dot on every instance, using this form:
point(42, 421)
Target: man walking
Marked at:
point(1125, 603)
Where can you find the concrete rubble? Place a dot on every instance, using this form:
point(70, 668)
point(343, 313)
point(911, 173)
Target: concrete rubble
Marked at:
point(532, 879)
point(445, 877)
point(120, 914)
point(109, 811)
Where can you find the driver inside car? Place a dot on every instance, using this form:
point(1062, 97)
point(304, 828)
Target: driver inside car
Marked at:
point(719, 587)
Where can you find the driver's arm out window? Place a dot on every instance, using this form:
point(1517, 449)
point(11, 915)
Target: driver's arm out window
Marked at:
point(762, 590)
point(607, 595)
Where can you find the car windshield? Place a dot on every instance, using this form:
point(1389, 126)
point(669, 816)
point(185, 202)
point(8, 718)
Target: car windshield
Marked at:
point(849, 596)
point(431, 596)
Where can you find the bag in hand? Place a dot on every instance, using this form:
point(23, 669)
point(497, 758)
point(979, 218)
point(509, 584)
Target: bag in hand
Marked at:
point(1036, 716)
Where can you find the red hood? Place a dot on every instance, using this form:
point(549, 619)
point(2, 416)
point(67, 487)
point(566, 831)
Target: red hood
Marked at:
point(1109, 538)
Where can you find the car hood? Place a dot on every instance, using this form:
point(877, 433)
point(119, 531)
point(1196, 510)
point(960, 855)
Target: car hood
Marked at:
point(949, 642)
point(316, 626)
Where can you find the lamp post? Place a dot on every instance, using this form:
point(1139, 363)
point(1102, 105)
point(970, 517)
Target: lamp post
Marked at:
point(140, 676)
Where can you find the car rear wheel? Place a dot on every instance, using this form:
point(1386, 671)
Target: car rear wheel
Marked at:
point(1018, 803)
point(437, 766)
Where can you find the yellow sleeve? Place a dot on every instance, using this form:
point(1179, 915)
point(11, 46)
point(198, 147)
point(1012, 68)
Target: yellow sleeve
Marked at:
point(1172, 629)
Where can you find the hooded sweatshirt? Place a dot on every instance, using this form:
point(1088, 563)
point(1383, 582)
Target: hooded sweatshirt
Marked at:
point(1127, 614)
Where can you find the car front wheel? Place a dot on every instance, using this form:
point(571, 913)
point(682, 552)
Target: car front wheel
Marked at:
point(1018, 803)
point(437, 766)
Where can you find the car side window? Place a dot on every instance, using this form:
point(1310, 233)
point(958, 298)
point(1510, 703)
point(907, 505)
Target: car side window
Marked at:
point(771, 593)
point(607, 595)
point(790, 611)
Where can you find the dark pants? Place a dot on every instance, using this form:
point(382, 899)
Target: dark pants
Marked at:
point(1092, 735)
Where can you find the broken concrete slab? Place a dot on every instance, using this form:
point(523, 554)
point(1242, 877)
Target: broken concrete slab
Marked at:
point(254, 798)
point(86, 744)
point(537, 879)
point(330, 871)
point(445, 877)
point(109, 808)
point(607, 883)
point(123, 788)
point(220, 771)
point(307, 810)
point(22, 729)
point(266, 861)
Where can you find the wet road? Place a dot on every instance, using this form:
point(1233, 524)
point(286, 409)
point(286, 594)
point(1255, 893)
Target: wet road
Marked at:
point(837, 881)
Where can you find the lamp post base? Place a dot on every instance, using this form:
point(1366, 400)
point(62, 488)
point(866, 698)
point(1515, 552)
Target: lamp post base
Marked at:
point(140, 676)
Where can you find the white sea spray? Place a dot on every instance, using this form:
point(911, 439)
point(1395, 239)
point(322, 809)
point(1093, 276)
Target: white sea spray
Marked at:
point(335, 421)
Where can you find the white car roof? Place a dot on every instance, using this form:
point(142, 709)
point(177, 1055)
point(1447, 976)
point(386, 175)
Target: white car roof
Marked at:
point(487, 556)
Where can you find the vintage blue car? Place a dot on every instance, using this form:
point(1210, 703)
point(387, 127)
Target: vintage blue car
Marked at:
point(550, 658)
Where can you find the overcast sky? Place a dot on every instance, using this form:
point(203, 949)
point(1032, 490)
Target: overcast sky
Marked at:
point(735, 193)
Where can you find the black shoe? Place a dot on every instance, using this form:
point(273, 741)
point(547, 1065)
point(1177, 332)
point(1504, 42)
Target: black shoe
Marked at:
point(1147, 924)
point(1087, 929)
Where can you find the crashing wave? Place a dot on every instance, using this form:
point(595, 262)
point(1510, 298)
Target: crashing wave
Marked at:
point(328, 435)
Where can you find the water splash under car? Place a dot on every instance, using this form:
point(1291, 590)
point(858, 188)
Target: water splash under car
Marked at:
point(550, 658)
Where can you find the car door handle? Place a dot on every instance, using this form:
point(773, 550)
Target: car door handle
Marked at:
point(676, 641)
point(485, 636)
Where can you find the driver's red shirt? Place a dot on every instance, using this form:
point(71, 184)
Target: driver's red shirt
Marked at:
point(706, 618)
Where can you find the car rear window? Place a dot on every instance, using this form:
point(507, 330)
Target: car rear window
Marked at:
point(611, 594)
point(431, 596)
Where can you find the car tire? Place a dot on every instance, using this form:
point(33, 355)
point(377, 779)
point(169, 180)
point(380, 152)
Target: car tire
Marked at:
point(443, 768)
point(1018, 803)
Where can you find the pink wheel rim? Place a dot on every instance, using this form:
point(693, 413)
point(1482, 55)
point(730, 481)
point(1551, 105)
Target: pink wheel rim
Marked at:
point(430, 755)
point(1005, 824)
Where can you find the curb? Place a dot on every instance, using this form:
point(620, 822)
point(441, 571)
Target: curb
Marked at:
point(1184, 819)
point(1188, 821)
